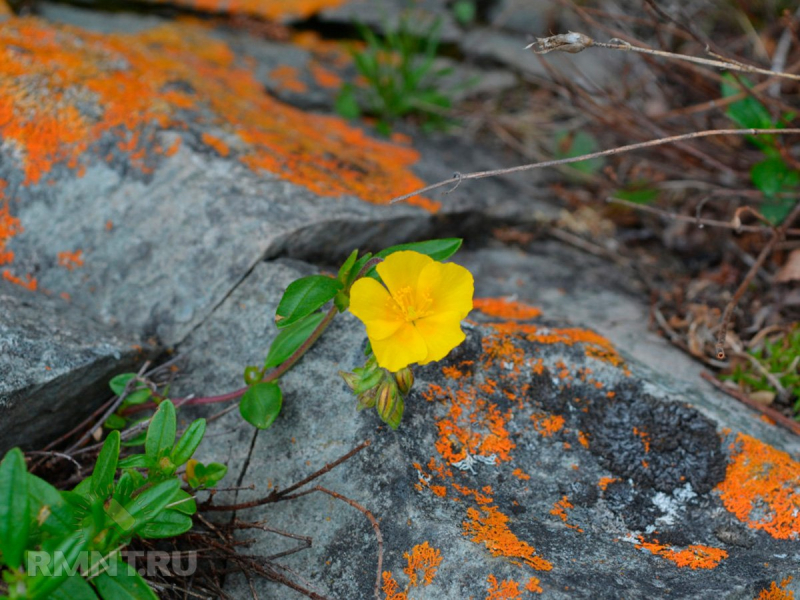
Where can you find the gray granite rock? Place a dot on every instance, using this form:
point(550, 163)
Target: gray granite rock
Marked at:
point(55, 364)
point(589, 479)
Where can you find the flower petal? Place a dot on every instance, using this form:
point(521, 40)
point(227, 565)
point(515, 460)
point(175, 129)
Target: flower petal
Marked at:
point(449, 286)
point(441, 333)
point(371, 302)
point(402, 270)
point(406, 346)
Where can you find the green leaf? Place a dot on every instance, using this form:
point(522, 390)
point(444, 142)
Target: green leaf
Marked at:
point(261, 404)
point(291, 338)
point(138, 397)
point(638, 195)
point(305, 296)
point(126, 584)
point(138, 440)
point(189, 442)
point(73, 588)
point(169, 523)
point(14, 508)
point(464, 11)
point(346, 104)
point(63, 554)
point(136, 461)
point(436, 249)
point(214, 472)
point(148, 505)
point(106, 467)
point(347, 266)
point(118, 383)
point(161, 432)
point(777, 210)
point(115, 421)
point(747, 112)
point(357, 266)
point(183, 502)
point(577, 143)
point(49, 508)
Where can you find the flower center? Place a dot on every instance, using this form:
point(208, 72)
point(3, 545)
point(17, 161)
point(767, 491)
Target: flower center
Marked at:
point(412, 306)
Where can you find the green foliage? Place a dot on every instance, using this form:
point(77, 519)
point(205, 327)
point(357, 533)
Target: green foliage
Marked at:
point(773, 176)
point(577, 143)
point(640, 192)
point(465, 11)
point(400, 78)
point(261, 404)
point(46, 535)
point(305, 296)
point(780, 358)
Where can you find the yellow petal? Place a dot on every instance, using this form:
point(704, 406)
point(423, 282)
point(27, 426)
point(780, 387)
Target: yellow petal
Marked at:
point(449, 286)
point(402, 269)
point(406, 346)
point(370, 302)
point(441, 333)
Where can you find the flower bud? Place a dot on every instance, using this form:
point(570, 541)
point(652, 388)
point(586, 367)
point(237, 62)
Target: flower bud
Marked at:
point(351, 379)
point(367, 399)
point(404, 379)
point(389, 404)
point(252, 375)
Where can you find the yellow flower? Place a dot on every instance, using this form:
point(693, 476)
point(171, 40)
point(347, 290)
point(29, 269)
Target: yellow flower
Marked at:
point(418, 319)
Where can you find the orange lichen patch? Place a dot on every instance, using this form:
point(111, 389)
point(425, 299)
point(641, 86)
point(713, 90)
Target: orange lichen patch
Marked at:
point(560, 509)
point(288, 79)
point(401, 138)
point(508, 589)
point(777, 591)
point(506, 309)
point(605, 482)
point(547, 425)
point(331, 52)
point(271, 10)
point(485, 498)
point(439, 490)
point(5, 9)
point(514, 328)
point(423, 559)
point(583, 439)
point(500, 348)
point(9, 227)
point(645, 437)
point(595, 345)
point(761, 487)
point(520, 474)
point(49, 73)
point(452, 372)
point(217, 144)
point(29, 282)
point(327, 79)
point(70, 260)
point(490, 528)
point(694, 557)
point(533, 586)
point(768, 420)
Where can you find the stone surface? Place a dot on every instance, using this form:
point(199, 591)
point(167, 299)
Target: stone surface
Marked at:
point(165, 173)
point(591, 479)
point(53, 359)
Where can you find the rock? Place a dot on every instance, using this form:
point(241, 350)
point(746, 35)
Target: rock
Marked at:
point(537, 456)
point(164, 173)
point(54, 359)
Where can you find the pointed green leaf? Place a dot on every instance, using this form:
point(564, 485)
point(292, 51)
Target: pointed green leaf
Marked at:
point(106, 467)
point(136, 461)
point(291, 338)
point(14, 508)
point(189, 442)
point(212, 474)
point(347, 266)
point(161, 432)
point(261, 404)
point(148, 505)
point(436, 249)
point(126, 584)
point(48, 508)
point(118, 383)
point(304, 297)
point(169, 523)
point(73, 588)
point(183, 502)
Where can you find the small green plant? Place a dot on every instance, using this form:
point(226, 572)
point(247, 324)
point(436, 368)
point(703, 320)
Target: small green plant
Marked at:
point(68, 545)
point(465, 11)
point(400, 78)
point(773, 176)
point(780, 359)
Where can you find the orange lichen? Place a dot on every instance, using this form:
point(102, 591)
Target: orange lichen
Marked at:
point(777, 591)
point(595, 345)
point(583, 439)
point(131, 79)
point(694, 557)
point(768, 420)
point(452, 372)
point(605, 482)
point(533, 586)
point(9, 227)
point(490, 528)
point(506, 309)
point(29, 282)
point(547, 425)
point(645, 437)
point(270, 10)
point(560, 509)
point(327, 79)
point(520, 474)
point(508, 589)
point(70, 260)
point(217, 144)
point(424, 559)
point(287, 78)
point(761, 488)
point(330, 52)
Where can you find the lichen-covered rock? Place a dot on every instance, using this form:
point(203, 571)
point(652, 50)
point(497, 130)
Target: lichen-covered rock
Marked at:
point(145, 173)
point(535, 458)
point(52, 360)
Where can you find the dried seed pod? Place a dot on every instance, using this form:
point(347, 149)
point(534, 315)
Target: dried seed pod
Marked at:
point(564, 42)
